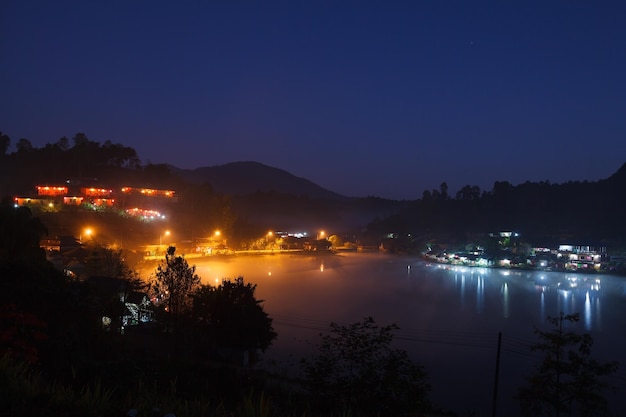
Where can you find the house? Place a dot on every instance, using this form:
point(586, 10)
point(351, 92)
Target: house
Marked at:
point(582, 257)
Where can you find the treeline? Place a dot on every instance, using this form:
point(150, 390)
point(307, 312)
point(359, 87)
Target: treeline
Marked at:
point(199, 210)
point(583, 212)
point(546, 213)
point(63, 159)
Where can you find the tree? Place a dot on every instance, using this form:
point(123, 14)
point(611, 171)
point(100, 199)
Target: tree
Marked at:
point(357, 369)
point(427, 196)
point(229, 316)
point(24, 145)
point(117, 155)
point(568, 381)
point(81, 140)
point(172, 285)
point(110, 263)
point(20, 233)
point(443, 188)
point(468, 193)
point(63, 143)
point(5, 141)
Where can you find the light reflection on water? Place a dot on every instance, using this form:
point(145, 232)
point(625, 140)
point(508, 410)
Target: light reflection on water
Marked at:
point(449, 316)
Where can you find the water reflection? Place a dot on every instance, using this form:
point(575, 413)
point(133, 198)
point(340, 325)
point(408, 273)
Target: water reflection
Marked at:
point(480, 294)
point(437, 300)
point(587, 312)
point(558, 292)
point(505, 298)
point(462, 289)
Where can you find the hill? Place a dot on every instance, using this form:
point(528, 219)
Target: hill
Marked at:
point(264, 195)
point(240, 178)
point(247, 196)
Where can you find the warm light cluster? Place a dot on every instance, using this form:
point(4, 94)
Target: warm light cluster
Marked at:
point(103, 202)
point(53, 191)
point(20, 201)
point(149, 192)
point(96, 192)
point(146, 214)
point(73, 201)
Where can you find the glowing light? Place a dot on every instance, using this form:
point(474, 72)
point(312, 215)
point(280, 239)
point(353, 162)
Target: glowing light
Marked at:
point(88, 232)
point(166, 233)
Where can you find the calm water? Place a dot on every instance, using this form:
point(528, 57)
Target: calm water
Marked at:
point(449, 318)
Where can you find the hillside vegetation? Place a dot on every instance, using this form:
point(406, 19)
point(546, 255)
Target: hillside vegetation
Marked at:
point(248, 198)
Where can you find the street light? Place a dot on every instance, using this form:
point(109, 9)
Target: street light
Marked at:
point(268, 238)
point(88, 233)
point(166, 233)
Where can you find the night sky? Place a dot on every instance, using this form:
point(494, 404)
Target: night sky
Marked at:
point(363, 98)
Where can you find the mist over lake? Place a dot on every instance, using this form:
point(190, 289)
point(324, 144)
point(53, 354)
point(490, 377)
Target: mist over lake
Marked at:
point(449, 317)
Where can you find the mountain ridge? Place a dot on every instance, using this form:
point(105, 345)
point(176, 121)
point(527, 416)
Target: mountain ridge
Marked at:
point(249, 177)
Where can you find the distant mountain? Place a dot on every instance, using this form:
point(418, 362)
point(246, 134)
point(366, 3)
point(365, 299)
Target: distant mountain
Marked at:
point(241, 178)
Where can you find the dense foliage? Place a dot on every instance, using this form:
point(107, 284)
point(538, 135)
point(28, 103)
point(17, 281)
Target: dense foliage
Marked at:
point(568, 380)
point(228, 317)
point(356, 368)
point(542, 212)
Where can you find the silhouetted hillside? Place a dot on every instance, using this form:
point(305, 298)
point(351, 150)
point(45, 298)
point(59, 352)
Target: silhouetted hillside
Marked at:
point(619, 177)
point(574, 211)
point(241, 197)
point(248, 195)
point(240, 178)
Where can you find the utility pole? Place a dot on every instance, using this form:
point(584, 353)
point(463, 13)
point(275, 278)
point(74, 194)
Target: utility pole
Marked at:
point(495, 382)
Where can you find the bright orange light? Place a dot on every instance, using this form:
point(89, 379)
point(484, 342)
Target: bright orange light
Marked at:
point(218, 233)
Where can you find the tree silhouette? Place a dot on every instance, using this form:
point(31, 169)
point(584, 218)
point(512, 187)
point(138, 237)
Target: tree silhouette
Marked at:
point(568, 381)
point(5, 141)
point(24, 146)
point(172, 285)
point(20, 233)
point(228, 316)
point(356, 368)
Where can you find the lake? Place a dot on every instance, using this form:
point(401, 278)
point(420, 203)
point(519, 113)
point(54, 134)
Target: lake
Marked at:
point(449, 317)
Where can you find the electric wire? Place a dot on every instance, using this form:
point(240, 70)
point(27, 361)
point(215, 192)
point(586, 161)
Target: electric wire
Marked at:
point(483, 340)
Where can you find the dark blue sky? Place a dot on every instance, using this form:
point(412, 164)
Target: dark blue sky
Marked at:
point(363, 98)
